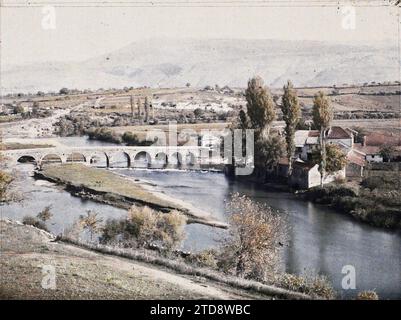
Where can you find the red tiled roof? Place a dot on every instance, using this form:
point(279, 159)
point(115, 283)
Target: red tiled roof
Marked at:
point(313, 133)
point(338, 133)
point(367, 149)
point(379, 139)
point(355, 157)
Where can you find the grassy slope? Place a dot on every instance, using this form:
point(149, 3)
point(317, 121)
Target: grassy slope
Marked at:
point(83, 274)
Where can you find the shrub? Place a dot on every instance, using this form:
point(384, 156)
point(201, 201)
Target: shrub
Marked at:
point(367, 295)
point(104, 134)
point(91, 222)
point(145, 227)
point(251, 250)
point(390, 182)
point(32, 221)
point(5, 182)
point(130, 139)
point(205, 258)
point(327, 193)
point(317, 286)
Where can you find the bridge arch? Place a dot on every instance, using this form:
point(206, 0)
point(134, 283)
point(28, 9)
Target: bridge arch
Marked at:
point(161, 159)
point(119, 159)
point(190, 159)
point(76, 157)
point(176, 159)
point(142, 159)
point(99, 159)
point(26, 158)
point(51, 158)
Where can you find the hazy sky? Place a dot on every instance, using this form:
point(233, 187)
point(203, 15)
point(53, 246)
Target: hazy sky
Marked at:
point(84, 32)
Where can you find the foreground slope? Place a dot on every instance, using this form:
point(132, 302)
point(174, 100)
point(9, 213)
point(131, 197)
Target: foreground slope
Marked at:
point(83, 274)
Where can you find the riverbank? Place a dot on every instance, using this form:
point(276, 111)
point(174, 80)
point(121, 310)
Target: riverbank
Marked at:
point(375, 203)
point(82, 273)
point(104, 186)
point(378, 208)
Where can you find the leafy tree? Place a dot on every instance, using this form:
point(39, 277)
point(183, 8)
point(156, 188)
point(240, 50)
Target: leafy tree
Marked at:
point(251, 249)
point(243, 120)
point(387, 152)
point(336, 159)
point(147, 106)
point(291, 115)
point(91, 222)
point(269, 150)
point(322, 111)
point(64, 91)
point(132, 104)
point(139, 105)
point(260, 106)
point(322, 114)
point(198, 112)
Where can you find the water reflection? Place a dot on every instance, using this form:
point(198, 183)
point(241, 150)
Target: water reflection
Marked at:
point(320, 239)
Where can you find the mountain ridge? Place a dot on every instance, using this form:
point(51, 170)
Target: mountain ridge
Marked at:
point(175, 62)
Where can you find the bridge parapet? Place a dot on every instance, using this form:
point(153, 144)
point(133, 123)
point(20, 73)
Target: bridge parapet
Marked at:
point(87, 154)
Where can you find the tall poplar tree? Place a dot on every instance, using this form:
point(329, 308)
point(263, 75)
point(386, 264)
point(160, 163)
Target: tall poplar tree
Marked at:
point(322, 113)
point(291, 115)
point(260, 106)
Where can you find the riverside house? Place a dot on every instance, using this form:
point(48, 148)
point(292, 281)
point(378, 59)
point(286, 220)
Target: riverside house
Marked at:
point(305, 174)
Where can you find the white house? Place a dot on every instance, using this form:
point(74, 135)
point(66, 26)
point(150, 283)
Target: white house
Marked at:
point(372, 153)
point(306, 141)
point(305, 175)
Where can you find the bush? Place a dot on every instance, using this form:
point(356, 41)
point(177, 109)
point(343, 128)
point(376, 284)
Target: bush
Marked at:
point(5, 182)
point(367, 295)
point(145, 227)
point(317, 286)
point(104, 134)
point(205, 258)
point(32, 221)
point(385, 181)
point(130, 139)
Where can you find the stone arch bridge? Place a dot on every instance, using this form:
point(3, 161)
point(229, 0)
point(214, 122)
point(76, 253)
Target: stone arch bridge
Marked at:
point(105, 156)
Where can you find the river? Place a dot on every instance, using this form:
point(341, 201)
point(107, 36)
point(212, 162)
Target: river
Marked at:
point(320, 240)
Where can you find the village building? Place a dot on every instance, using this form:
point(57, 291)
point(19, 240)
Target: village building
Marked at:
point(305, 174)
point(374, 142)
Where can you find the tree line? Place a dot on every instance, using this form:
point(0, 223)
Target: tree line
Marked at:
point(260, 114)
